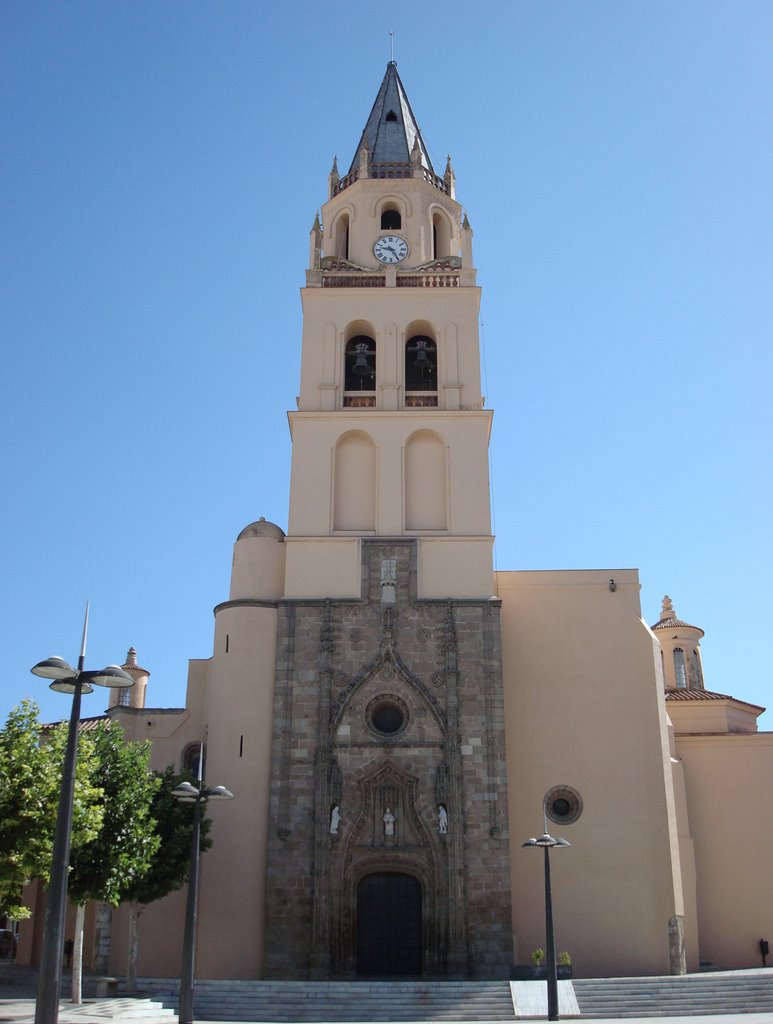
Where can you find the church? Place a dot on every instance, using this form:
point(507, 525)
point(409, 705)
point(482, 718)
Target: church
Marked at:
point(395, 718)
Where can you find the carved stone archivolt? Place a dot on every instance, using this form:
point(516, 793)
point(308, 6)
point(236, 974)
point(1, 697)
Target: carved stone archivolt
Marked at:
point(394, 830)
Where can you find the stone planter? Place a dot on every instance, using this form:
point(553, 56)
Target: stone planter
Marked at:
point(528, 972)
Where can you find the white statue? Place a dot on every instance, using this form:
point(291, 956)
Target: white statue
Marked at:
point(389, 822)
point(335, 818)
point(442, 820)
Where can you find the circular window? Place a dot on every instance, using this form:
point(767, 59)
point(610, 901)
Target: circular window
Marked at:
point(387, 715)
point(563, 805)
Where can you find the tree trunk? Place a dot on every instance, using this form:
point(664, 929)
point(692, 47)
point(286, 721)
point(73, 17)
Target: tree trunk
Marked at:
point(131, 966)
point(77, 953)
point(102, 935)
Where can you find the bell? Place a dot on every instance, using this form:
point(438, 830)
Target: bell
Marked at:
point(422, 359)
point(361, 367)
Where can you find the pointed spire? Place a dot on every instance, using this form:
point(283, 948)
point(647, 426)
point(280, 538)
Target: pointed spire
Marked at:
point(131, 658)
point(333, 178)
point(450, 178)
point(364, 168)
point(391, 132)
point(466, 243)
point(315, 244)
point(667, 608)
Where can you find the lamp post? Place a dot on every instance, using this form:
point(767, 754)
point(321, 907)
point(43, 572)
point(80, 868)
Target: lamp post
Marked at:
point(188, 793)
point(76, 681)
point(547, 842)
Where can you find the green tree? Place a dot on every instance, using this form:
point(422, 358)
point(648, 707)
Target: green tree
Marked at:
point(106, 868)
point(170, 865)
point(30, 777)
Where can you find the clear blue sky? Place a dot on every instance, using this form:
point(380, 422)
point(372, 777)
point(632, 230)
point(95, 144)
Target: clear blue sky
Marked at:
point(162, 166)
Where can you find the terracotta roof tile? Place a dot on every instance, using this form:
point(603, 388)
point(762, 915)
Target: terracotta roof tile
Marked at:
point(84, 725)
point(674, 623)
point(685, 695)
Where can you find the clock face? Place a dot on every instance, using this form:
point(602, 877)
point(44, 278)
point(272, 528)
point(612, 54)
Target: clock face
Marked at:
point(390, 249)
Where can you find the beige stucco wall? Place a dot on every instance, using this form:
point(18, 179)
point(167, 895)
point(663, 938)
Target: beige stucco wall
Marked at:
point(238, 757)
point(584, 708)
point(728, 785)
point(321, 567)
point(463, 434)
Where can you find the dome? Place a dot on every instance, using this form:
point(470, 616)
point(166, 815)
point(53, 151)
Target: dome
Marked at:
point(668, 619)
point(262, 528)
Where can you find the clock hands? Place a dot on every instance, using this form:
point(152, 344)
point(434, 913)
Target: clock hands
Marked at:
point(389, 249)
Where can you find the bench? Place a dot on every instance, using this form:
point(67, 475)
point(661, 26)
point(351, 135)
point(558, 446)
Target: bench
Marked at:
point(104, 988)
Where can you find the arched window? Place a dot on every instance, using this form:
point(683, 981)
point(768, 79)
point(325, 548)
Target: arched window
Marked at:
point(391, 116)
point(125, 697)
point(441, 236)
point(189, 762)
point(360, 368)
point(391, 220)
point(341, 237)
point(680, 668)
point(420, 371)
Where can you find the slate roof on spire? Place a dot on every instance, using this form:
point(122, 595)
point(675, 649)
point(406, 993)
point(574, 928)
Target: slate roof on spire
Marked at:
point(391, 129)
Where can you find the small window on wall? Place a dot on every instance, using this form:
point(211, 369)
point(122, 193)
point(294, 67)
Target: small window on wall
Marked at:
point(391, 220)
point(125, 697)
point(191, 759)
point(697, 675)
point(680, 668)
point(420, 364)
point(360, 368)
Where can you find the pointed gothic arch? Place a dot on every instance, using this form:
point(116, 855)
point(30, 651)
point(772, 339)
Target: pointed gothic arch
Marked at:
point(391, 661)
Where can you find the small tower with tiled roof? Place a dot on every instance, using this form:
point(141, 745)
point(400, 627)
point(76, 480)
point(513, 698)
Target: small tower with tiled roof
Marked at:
point(131, 696)
point(680, 644)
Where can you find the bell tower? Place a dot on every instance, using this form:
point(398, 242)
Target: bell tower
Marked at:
point(387, 838)
point(390, 437)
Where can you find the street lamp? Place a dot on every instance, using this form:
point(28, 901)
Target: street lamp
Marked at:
point(547, 842)
point(188, 793)
point(76, 681)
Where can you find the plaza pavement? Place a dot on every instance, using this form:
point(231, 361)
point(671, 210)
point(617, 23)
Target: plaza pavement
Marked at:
point(16, 1008)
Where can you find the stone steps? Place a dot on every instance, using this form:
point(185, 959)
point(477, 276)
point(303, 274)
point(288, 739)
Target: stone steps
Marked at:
point(301, 1002)
point(684, 996)
point(296, 1001)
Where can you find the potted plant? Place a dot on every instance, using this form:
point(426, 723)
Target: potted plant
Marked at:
point(564, 965)
point(538, 968)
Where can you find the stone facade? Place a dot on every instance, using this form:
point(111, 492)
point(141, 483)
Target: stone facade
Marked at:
point(388, 705)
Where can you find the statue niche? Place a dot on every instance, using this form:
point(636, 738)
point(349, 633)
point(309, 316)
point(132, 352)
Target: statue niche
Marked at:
point(387, 814)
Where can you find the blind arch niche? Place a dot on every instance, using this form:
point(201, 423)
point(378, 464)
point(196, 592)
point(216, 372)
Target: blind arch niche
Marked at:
point(354, 490)
point(426, 484)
